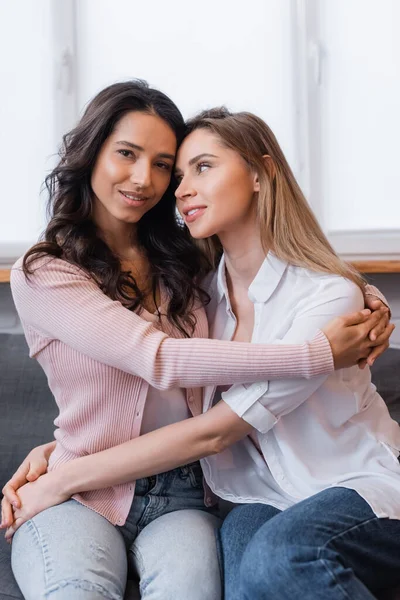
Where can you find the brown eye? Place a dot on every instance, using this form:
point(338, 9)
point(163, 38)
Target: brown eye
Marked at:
point(125, 153)
point(164, 166)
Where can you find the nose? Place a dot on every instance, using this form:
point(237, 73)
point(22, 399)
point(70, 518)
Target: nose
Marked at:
point(141, 174)
point(185, 190)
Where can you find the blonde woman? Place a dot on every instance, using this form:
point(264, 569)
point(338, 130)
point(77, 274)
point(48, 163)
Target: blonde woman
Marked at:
point(279, 282)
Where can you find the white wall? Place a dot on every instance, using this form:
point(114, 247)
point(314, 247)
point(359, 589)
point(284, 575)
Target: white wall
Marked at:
point(243, 54)
point(360, 118)
point(26, 111)
point(201, 54)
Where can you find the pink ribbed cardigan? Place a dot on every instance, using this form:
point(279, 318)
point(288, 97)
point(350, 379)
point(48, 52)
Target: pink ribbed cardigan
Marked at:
point(99, 359)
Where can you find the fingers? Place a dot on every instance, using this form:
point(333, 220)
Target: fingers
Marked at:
point(382, 344)
point(384, 336)
point(32, 475)
point(373, 321)
point(38, 464)
point(355, 318)
point(7, 515)
point(380, 327)
point(376, 352)
point(9, 492)
point(373, 302)
point(14, 527)
point(11, 495)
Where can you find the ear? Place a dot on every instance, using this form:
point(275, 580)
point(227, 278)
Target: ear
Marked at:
point(271, 170)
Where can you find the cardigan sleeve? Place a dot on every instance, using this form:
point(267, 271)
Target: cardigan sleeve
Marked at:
point(371, 290)
point(61, 302)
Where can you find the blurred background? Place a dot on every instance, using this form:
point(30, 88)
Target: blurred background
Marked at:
point(324, 74)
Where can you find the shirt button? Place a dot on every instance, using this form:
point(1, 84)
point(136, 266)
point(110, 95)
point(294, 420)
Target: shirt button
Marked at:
point(191, 399)
point(209, 501)
point(120, 521)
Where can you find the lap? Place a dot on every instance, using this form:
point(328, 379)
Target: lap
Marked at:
point(336, 524)
point(180, 548)
point(59, 551)
point(334, 517)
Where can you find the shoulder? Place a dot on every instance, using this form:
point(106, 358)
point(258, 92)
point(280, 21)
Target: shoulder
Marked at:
point(44, 271)
point(318, 288)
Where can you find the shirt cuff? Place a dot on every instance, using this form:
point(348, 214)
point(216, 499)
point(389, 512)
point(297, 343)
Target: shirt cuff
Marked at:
point(260, 417)
point(245, 402)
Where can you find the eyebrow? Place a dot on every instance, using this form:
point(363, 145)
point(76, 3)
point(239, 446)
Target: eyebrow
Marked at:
point(141, 149)
point(194, 160)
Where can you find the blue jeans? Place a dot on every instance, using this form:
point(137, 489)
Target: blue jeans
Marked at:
point(330, 546)
point(70, 552)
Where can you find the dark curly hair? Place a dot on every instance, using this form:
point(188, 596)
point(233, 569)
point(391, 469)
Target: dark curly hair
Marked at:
point(72, 235)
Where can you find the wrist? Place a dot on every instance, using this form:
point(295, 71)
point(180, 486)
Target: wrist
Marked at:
point(48, 449)
point(59, 483)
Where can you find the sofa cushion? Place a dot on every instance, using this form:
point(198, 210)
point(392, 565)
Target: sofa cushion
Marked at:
point(27, 405)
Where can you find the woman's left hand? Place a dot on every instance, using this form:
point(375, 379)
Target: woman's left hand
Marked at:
point(36, 497)
point(381, 332)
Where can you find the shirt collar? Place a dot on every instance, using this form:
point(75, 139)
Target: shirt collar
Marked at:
point(263, 285)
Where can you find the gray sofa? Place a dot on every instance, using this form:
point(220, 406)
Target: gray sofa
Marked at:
point(28, 410)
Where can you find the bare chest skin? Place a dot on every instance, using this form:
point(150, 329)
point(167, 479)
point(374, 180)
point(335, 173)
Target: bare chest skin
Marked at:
point(243, 309)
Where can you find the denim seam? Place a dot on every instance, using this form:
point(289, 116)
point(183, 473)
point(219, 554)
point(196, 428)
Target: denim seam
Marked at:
point(332, 539)
point(76, 583)
point(349, 529)
point(139, 559)
point(333, 576)
point(43, 547)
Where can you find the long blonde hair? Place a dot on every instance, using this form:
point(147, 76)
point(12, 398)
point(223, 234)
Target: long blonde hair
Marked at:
point(287, 224)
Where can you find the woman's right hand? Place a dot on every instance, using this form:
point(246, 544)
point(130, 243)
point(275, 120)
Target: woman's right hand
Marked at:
point(34, 465)
point(349, 337)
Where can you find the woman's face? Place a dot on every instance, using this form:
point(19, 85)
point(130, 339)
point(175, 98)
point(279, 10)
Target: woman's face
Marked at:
point(133, 168)
point(216, 186)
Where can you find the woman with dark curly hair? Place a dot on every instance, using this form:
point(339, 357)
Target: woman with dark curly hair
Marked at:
point(112, 309)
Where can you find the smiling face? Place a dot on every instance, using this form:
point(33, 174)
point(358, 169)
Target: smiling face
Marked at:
point(216, 186)
point(133, 169)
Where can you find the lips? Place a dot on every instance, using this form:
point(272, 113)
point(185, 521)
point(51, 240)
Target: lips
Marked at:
point(192, 213)
point(132, 199)
point(133, 196)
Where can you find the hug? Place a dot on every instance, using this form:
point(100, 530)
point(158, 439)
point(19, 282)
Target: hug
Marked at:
point(203, 343)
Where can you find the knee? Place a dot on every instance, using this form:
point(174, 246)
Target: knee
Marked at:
point(257, 570)
point(176, 558)
point(273, 560)
point(175, 578)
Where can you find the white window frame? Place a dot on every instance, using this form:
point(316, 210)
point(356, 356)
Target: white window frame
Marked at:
point(63, 24)
point(308, 56)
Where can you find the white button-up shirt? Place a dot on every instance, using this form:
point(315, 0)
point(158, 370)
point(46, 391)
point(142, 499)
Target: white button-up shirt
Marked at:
point(308, 435)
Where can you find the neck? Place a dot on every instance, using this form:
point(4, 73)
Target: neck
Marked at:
point(244, 255)
point(120, 237)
